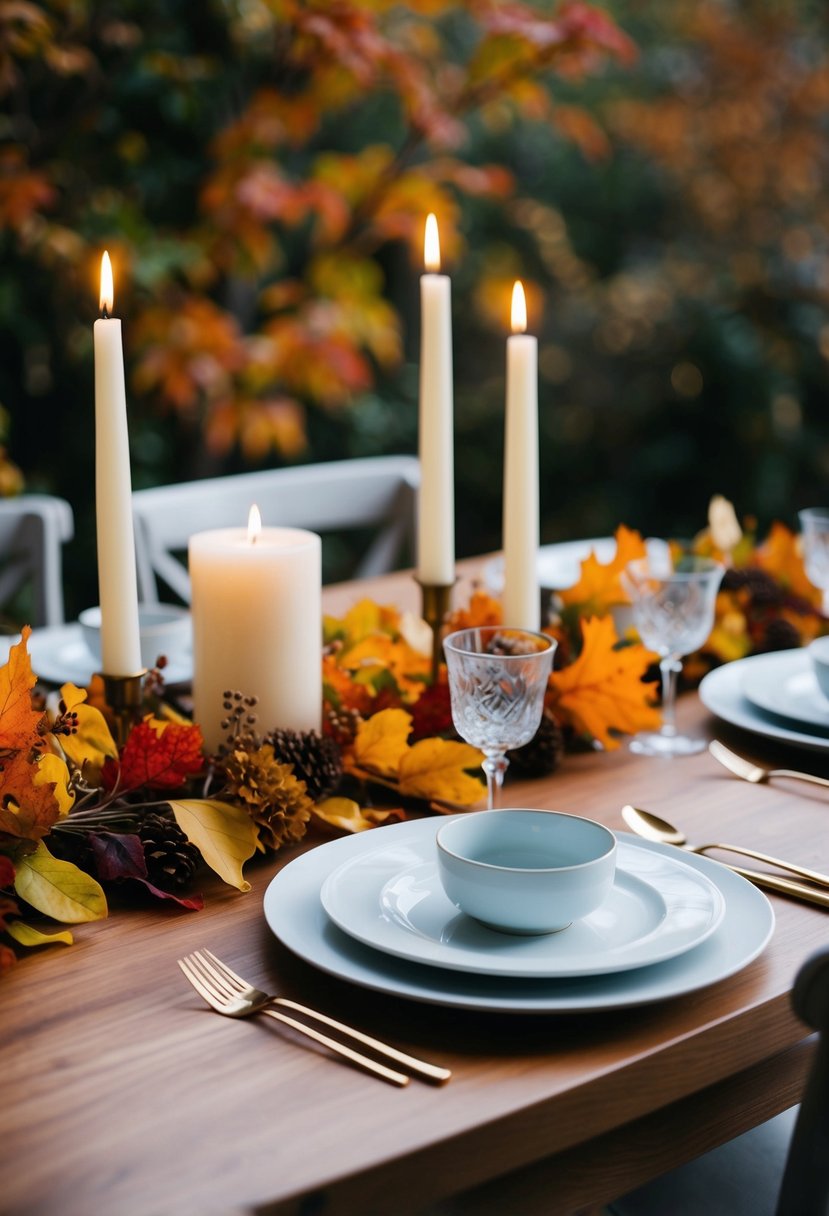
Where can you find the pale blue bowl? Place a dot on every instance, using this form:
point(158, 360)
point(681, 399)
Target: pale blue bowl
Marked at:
point(526, 871)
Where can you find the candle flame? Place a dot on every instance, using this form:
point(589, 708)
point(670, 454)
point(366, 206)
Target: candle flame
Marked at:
point(519, 308)
point(254, 524)
point(431, 244)
point(107, 290)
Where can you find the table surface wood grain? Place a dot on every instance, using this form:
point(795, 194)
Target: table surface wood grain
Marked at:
point(122, 1093)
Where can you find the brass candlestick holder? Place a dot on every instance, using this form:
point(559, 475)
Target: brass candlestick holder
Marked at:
point(435, 600)
point(124, 696)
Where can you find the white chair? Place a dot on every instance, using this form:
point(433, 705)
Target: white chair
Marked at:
point(375, 492)
point(780, 1168)
point(33, 530)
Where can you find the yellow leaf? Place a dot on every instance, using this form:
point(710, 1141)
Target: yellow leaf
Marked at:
point(52, 769)
point(381, 742)
point(225, 835)
point(435, 768)
point(59, 888)
point(360, 620)
point(27, 935)
point(599, 588)
point(93, 743)
point(349, 816)
point(602, 690)
point(19, 722)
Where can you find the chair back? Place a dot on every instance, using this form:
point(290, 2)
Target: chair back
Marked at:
point(375, 492)
point(805, 1187)
point(33, 530)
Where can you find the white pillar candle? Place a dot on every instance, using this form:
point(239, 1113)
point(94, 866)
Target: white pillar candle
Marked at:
point(436, 511)
point(118, 592)
point(521, 590)
point(257, 626)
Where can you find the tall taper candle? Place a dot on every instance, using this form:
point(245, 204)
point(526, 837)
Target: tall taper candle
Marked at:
point(120, 649)
point(521, 591)
point(436, 512)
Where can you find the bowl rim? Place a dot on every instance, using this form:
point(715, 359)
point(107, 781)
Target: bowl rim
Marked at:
point(489, 865)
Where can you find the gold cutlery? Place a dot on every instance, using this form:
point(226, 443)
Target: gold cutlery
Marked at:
point(652, 827)
point(741, 767)
point(234, 997)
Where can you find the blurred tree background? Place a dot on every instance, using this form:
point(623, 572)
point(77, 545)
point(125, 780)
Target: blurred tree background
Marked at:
point(260, 171)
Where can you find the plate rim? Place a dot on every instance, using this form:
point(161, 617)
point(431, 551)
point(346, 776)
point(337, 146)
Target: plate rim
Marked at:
point(295, 916)
point(801, 665)
point(512, 970)
point(721, 693)
point(52, 637)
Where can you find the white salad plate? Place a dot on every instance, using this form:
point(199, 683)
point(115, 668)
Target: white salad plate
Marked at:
point(391, 898)
point(721, 691)
point(784, 683)
point(59, 655)
point(294, 913)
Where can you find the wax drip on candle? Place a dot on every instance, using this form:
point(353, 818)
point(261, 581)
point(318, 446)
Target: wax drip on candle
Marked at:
point(254, 524)
point(107, 298)
point(519, 308)
point(431, 245)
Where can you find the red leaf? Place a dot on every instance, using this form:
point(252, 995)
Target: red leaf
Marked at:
point(161, 755)
point(117, 856)
point(6, 872)
point(194, 903)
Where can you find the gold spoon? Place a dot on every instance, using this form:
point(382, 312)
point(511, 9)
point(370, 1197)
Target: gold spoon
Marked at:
point(646, 824)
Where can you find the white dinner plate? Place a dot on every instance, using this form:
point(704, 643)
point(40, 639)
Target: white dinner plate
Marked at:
point(59, 654)
point(296, 916)
point(721, 691)
point(784, 683)
point(558, 566)
point(391, 898)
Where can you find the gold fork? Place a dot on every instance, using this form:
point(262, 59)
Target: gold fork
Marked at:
point(741, 767)
point(229, 994)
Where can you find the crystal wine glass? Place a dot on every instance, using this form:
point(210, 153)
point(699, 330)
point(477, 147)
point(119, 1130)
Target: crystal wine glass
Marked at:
point(814, 524)
point(673, 611)
point(497, 679)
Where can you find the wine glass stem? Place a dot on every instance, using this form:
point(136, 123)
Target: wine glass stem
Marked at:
point(494, 765)
point(670, 668)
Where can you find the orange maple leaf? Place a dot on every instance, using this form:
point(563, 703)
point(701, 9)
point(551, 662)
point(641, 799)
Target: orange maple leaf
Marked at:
point(780, 556)
point(602, 690)
point(18, 721)
point(161, 755)
point(483, 610)
point(599, 587)
point(27, 810)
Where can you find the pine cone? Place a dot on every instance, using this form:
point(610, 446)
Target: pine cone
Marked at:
point(779, 634)
point(273, 797)
point(171, 859)
point(543, 752)
point(315, 757)
point(502, 643)
point(340, 724)
point(763, 588)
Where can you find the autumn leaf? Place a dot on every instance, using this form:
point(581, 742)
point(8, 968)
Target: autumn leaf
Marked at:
point(121, 856)
point(780, 555)
point(348, 816)
point(599, 588)
point(51, 770)
point(602, 690)
point(483, 610)
point(59, 888)
point(19, 722)
point(225, 835)
point(435, 769)
point(380, 743)
point(27, 811)
point(93, 743)
point(160, 755)
point(27, 935)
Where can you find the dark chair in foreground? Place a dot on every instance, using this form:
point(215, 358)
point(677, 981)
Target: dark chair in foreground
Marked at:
point(33, 530)
point(377, 493)
point(742, 1178)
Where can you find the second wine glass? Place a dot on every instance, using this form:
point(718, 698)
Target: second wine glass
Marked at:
point(673, 611)
point(497, 680)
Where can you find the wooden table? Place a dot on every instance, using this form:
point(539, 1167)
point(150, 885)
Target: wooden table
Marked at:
point(123, 1095)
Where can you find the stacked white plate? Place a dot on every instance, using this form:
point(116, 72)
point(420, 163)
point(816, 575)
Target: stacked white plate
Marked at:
point(774, 695)
point(370, 909)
